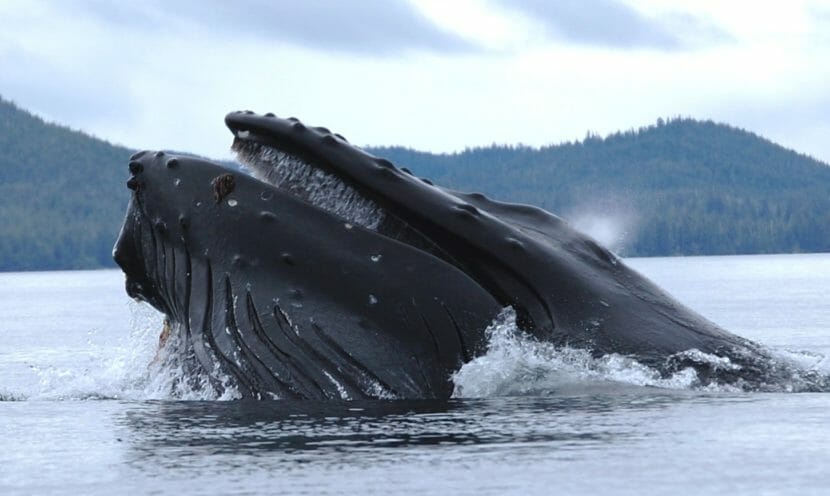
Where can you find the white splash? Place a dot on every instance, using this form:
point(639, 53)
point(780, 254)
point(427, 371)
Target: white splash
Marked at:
point(516, 364)
point(344, 395)
point(174, 373)
point(135, 370)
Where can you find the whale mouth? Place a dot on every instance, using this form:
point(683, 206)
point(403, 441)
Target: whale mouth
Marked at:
point(306, 177)
point(307, 181)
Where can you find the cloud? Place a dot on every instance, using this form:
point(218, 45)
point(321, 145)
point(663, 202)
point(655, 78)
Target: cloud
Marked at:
point(370, 27)
point(163, 74)
point(819, 16)
point(611, 23)
point(61, 92)
point(801, 123)
point(819, 11)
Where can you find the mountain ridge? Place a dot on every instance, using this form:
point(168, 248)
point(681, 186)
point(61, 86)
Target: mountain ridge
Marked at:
point(692, 187)
point(680, 186)
point(59, 191)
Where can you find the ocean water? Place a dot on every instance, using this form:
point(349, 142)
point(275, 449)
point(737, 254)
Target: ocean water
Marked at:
point(87, 406)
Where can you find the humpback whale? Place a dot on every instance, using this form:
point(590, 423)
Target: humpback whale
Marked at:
point(331, 273)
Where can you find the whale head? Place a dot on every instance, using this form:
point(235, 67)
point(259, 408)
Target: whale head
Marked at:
point(328, 272)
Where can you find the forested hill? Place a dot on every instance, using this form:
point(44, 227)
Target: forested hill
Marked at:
point(678, 187)
point(682, 187)
point(62, 194)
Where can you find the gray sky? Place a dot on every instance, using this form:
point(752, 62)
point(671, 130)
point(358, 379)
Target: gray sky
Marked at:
point(431, 74)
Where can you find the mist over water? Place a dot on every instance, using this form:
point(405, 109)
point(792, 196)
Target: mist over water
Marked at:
point(615, 231)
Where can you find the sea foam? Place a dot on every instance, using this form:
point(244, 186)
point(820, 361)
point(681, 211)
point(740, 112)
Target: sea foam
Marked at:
point(515, 364)
point(136, 369)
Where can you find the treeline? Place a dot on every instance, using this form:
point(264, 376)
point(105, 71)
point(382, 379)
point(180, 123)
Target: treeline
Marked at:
point(62, 194)
point(681, 186)
point(678, 187)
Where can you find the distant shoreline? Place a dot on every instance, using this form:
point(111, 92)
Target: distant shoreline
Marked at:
point(680, 187)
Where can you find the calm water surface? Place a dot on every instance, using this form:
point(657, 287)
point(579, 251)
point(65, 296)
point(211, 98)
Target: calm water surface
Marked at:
point(83, 413)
